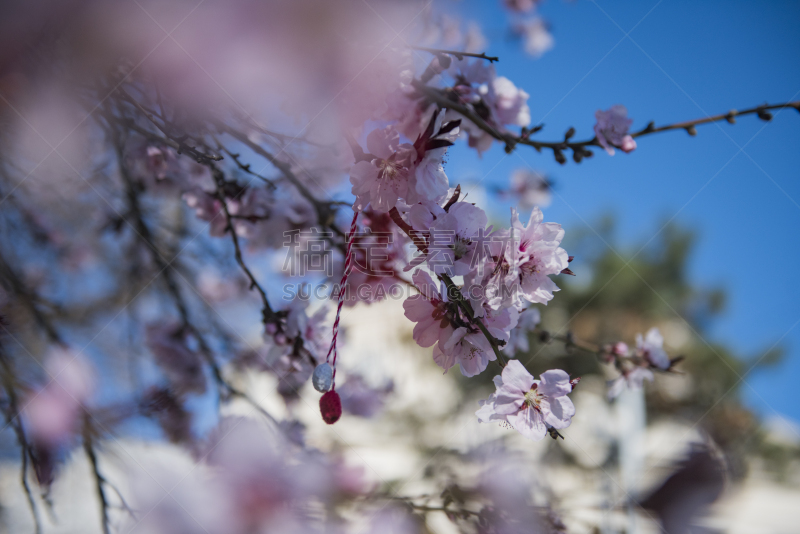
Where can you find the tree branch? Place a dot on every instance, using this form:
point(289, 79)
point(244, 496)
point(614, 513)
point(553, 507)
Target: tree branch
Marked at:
point(447, 99)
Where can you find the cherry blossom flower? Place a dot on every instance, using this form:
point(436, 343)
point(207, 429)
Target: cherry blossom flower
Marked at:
point(612, 129)
point(528, 188)
point(53, 413)
point(162, 168)
point(536, 37)
point(207, 208)
point(529, 406)
point(509, 103)
point(378, 254)
point(454, 246)
point(361, 399)
point(520, 261)
point(495, 98)
point(632, 379)
point(430, 310)
point(428, 181)
point(651, 348)
point(382, 181)
point(520, 6)
point(637, 367)
point(469, 348)
point(406, 110)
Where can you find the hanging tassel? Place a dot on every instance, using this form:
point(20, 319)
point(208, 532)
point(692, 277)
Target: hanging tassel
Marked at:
point(324, 378)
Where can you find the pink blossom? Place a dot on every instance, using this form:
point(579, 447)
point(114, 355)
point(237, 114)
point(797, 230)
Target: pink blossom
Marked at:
point(378, 253)
point(632, 379)
point(469, 347)
point(361, 399)
point(509, 103)
point(409, 113)
point(651, 348)
point(520, 261)
point(536, 37)
point(382, 181)
point(612, 129)
point(430, 310)
point(455, 239)
point(53, 413)
point(540, 256)
point(261, 474)
point(528, 188)
point(207, 208)
point(529, 406)
point(520, 6)
point(518, 341)
point(428, 181)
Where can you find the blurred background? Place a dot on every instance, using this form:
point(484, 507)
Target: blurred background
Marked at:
point(695, 235)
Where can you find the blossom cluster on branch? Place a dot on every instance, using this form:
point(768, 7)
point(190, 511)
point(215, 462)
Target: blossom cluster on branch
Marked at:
point(183, 185)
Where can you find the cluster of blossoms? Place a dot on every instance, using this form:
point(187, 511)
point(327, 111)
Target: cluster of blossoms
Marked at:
point(404, 198)
point(503, 269)
point(637, 365)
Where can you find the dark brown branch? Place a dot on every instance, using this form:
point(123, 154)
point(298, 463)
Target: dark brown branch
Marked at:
point(28, 298)
point(730, 116)
point(456, 53)
point(12, 419)
point(88, 448)
point(449, 100)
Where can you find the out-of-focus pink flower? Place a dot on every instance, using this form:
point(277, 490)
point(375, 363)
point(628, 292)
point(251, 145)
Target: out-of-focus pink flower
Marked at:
point(527, 322)
point(620, 349)
point(53, 413)
point(180, 364)
point(528, 188)
point(612, 129)
point(361, 399)
point(520, 6)
point(632, 379)
point(265, 477)
point(536, 37)
point(651, 348)
point(509, 102)
point(637, 367)
point(207, 208)
point(528, 405)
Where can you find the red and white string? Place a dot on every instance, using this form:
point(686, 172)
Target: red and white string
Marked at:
point(348, 261)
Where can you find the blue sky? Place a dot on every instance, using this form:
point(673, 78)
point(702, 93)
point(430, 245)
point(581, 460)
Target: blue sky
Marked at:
point(737, 186)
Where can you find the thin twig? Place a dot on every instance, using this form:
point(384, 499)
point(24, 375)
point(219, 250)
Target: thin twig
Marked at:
point(457, 54)
point(12, 419)
point(446, 98)
point(88, 447)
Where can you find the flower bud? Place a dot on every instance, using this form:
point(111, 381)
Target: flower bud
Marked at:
point(323, 377)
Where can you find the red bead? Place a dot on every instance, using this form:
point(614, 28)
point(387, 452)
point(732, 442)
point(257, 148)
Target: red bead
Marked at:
point(330, 405)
